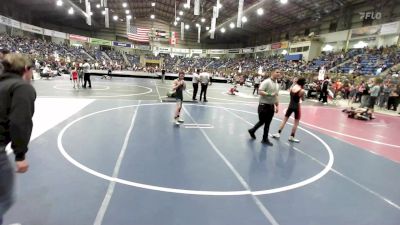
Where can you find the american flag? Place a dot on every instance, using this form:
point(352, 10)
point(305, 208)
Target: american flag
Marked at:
point(138, 34)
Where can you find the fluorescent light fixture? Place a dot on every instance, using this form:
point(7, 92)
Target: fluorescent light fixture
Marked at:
point(223, 30)
point(232, 25)
point(197, 25)
point(90, 13)
point(152, 16)
point(124, 4)
point(219, 5)
point(103, 12)
point(180, 13)
point(260, 11)
point(187, 26)
point(207, 28)
point(175, 23)
point(70, 11)
point(284, 1)
point(186, 6)
point(115, 17)
point(128, 17)
point(127, 11)
point(178, 18)
point(153, 4)
point(98, 6)
point(203, 20)
point(244, 19)
point(59, 3)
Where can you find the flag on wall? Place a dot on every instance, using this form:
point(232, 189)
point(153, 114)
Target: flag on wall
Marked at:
point(173, 38)
point(138, 34)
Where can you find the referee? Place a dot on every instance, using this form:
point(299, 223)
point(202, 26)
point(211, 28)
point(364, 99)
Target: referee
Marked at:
point(269, 102)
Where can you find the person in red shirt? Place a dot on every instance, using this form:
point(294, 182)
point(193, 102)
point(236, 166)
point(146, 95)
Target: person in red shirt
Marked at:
point(74, 77)
point(232, 91)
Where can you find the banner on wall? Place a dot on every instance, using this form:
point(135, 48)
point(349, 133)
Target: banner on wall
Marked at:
point(122, 44)
point(59, 34)
point(276, 45)
point(233, 51)
point(215, 51)
point(180, 50)
point(97, 41)
point(31, 28)
point(365, 31)
point(247, 50)
point(196, 51)
point(390, 28)
point(10, 22)
point(284, 44)
point(54, 33)
point(164, 50)
point(143, 47)
point(262, 48)
point(75, 37)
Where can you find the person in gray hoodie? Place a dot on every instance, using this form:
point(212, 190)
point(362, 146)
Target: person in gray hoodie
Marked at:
point(17, 105)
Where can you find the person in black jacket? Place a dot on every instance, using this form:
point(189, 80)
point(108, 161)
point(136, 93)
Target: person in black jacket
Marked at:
point(17, 99)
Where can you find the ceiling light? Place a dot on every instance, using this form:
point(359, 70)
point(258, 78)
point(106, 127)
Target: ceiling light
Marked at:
point(127, 11)
point(153, 4)
point(124, 4)
point(152, 16)
point(90, 13)
point(223, 30)
point(103, 12)
point(207, 28)
point(219, 5)
point(203, 20)
point(98, 6)
point(232, 25)
point(284, 1)
point(128, 17)
point(115, 17)
point(197, 25)
point(186, 6)
point(178, 18)
point(187, 26)
point(180, 13)
point(244, 19)
point(59, 3)
point(71, 11)
point(260, 11)
point(175, 23)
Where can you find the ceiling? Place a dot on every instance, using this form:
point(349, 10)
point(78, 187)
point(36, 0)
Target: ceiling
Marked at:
point(276, 15)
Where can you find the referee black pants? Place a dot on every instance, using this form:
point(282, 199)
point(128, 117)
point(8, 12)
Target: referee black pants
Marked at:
point(203, 91)
point(195, 88)
point(86, 78)
point(265, 114)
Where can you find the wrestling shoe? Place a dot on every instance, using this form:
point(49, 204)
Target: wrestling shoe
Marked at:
point(292, 139)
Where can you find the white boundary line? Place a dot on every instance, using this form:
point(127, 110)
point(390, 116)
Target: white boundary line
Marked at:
point(182, 191)
point(241, 180)
point(350, 180)
point(159, 96)
point(107, 96)
point(111, 186)
point(74, 89)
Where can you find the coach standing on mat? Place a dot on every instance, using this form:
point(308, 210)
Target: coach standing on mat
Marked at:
point(204, 79)
point(86, 74)
point(195, 81)
point(269, 103)
point(17, 105)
